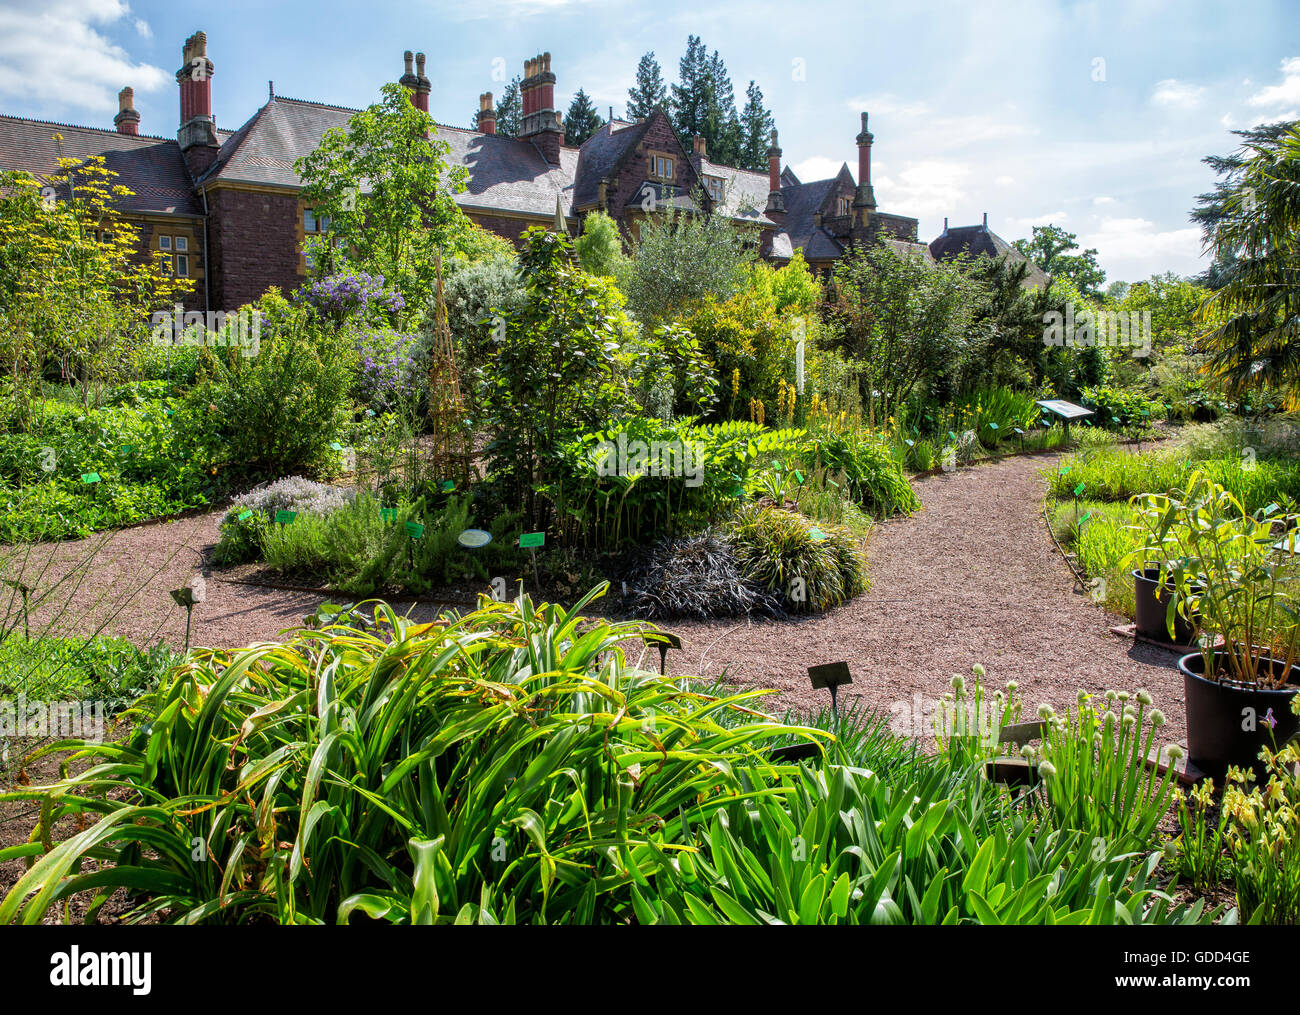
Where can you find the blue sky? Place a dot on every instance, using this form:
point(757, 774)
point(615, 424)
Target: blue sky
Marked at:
point(1091, 115)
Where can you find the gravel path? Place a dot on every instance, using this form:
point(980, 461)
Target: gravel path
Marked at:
point(973, 577)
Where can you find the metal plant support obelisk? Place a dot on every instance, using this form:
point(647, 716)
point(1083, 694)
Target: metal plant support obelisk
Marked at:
point(450, 450)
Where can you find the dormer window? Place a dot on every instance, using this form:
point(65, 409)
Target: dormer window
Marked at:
point(661, 166)
point(843, 206)
point(715, 188)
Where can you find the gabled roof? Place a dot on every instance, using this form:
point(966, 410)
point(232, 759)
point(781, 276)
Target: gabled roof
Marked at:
point(505, 174)
point(744, 192)
point(802, 202)
point(600, 154)
point(151, 167)
point(976, 241)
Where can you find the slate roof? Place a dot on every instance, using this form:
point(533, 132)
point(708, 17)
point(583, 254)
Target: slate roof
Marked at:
point(599, 154)
point(744, 192)
point(152, 167)
point(505, 174)
point(980, 240)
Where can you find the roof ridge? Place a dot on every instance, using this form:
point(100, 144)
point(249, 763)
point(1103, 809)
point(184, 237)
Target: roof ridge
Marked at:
point(81, 126)
point(310, 102)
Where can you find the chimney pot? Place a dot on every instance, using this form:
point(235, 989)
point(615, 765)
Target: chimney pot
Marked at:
point(407, 57)
point(986, 222)
point(419, 64)
point(127, 120)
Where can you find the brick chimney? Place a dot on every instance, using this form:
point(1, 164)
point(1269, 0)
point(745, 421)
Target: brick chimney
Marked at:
point(864, 198)
point(198, 130)
point(541, 121)
point(487, 114)
point(408, 80)
point(127, 120)
point(775, 209)
point(422, 85)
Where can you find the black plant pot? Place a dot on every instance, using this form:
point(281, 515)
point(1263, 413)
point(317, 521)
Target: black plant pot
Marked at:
point(1152, 600)
point(1226, 721)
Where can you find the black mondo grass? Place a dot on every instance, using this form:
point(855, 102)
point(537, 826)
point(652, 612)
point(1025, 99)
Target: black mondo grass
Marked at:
point(695, 577)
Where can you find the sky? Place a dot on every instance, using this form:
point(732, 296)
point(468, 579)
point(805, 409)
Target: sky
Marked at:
point(1093, 116)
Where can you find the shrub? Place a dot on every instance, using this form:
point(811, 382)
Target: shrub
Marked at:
point(600, 247)
point(810, 568)
point(875, 478)
point(1119, 410)
point(275, 412)
point(241, 538)
point(695, 577)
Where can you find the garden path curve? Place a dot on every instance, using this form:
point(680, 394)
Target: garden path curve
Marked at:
point(972, 577)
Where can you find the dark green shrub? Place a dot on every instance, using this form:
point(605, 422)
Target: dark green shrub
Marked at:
point(275, 412)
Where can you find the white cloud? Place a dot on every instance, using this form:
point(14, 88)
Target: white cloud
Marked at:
point(927, 187)
point(1051, 218)
point(1005, 181)
point(887, 104)
point(1283, 94)
point(1103, 199)
point(1128, 246)
point(42, 43)
point(142, 29)
point(818, 167)
point(1175, 93)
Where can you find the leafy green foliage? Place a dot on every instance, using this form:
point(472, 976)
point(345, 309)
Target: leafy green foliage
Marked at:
point(385, 187)
point(600, 247)
point(146, 469)
point(679, 258)
point(811, 567)
point(1050, 249)
point(510, 766)
point(553, 365)
point(1250, 221)
point(274, 413)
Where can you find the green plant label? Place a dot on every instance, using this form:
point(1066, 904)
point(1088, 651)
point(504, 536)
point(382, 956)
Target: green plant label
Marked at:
point(993, 426)
point(1085, 517)
point(1078, 490)
point(285, 517)
point(952, 436)
point(388, 514)
point(1065, 469)
point(447, 486)
point(336, 445)
point(414, 529)
point(245, 515)
point(738, 492)
point(127, 448)
point(169, 413)
point(529, 540)
point(777, 466)
point(816, 534)
point(798, 476)
point(90, 477)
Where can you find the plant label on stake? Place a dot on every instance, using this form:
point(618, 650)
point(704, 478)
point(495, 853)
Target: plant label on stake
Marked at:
point(416, 531)
point(244, 515)
point(90, 477)
point(830, 676)
point(285, 517)
point(530, 541)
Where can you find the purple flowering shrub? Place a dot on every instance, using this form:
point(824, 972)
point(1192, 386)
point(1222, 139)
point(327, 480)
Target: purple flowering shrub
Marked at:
point(389, 364)
point(351, 295)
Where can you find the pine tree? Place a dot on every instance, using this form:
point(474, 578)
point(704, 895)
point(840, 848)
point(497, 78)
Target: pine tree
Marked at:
point(690, 96)
point(510, 110)
point(756, 125)
point(721, 126)
point(581, 121)
point(650, 92)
